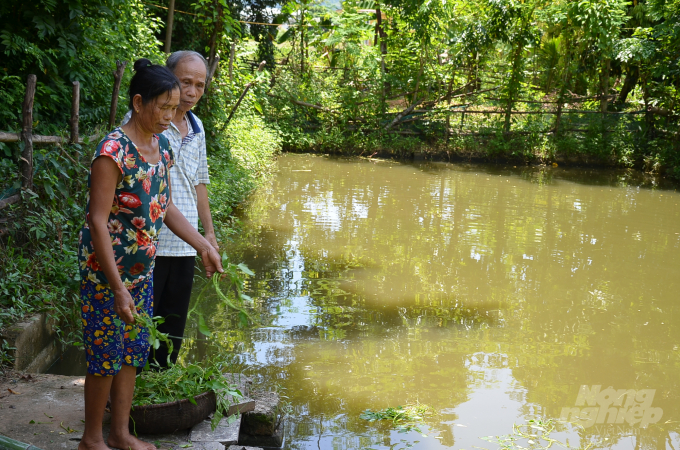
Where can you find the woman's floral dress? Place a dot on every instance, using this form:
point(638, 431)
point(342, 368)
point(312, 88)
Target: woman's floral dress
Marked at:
point(137, 212)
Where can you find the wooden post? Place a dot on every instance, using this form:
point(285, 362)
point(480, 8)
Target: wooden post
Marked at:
point(231, 61)
point(75, 112)
point(27, 133)
point(563, 87)
point(604, 87)
point(558, 119)
point(448, 104)
point(169, 25)
point(117, 78)
point(380, 38)
point(604, 100)
point(302, 42)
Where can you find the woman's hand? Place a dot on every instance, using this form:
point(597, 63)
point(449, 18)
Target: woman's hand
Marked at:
point(124, 306)
point(211, 260)
point(179, 225)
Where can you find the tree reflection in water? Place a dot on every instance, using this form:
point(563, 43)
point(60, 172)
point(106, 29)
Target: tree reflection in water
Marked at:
point(488, 293)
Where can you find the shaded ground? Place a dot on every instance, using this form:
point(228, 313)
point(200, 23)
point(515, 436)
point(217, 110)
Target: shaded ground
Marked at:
point(48, 412)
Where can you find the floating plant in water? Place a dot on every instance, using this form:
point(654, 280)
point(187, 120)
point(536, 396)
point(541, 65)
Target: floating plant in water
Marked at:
point(404, 418)
point(535, 435)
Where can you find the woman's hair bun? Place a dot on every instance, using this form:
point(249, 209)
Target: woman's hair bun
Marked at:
point(142, 63)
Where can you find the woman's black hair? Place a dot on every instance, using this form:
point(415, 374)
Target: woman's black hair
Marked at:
point(150, 81)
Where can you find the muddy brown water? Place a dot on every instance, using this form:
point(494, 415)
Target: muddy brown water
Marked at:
point(493, 295)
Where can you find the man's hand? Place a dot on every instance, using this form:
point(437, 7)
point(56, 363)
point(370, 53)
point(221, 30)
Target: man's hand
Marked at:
point(210, 237)
point(124, 306)
point(211, 261)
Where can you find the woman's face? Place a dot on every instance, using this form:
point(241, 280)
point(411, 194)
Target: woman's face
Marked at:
point(156, 115)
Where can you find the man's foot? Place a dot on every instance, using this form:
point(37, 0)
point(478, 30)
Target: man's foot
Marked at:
point(128, 442)
point(92, 445)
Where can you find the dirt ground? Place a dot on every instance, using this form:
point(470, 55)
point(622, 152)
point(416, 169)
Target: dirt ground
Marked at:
point(47, 411)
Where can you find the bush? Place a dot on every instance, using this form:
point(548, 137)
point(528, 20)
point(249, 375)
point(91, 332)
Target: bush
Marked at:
point(243, 155)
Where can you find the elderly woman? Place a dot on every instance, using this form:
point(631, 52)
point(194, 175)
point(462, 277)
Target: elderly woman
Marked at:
point(129, 202)
point(175, 259)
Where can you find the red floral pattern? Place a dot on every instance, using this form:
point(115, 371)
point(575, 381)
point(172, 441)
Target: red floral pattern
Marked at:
point(137, 211)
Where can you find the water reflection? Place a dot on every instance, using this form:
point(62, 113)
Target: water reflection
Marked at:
point(488, 293)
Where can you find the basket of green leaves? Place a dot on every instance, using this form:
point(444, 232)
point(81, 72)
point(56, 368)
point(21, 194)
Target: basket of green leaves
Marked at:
point(180, 397)
point(186, 394)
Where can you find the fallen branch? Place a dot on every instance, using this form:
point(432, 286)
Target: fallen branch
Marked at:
point(63, 152)
point(305, 104)
point(16, 137)
point(245, 91)
point(473, 93)
point(309, 105)
point(521, 133)
point(405, 112)
point(406, 132)
point(565, 111)
point(9, 200)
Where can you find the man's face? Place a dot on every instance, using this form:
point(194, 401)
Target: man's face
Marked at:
point(191, 74)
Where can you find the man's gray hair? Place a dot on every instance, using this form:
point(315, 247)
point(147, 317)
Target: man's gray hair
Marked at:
point(177, 57)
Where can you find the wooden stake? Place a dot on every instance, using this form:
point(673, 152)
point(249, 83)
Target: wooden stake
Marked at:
point(169, 25)
point(27, 134)
point(231, 61)
point(75, 112)
point(302, 42)
point(117, 78)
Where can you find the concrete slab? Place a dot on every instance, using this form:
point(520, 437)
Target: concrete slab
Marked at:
point(47, 411)
point(242, 382)
point(264, 418)
point(273, 441)
point(207, 446)
point(240, 406)
point(35, 343)
point(241, 447)
point(225, 433)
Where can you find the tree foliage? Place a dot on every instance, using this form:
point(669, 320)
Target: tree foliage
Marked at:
point(65, 41)
point(397, 66)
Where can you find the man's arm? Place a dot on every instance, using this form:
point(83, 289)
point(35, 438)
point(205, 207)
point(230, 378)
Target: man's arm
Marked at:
point(203, 207)
point(201, 181)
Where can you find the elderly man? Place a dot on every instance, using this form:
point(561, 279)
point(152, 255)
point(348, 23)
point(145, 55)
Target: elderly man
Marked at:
point(174, 272)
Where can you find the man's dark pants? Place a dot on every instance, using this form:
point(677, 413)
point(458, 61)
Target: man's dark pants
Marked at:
point(173, 278)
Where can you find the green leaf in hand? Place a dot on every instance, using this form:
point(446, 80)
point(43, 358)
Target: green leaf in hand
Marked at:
point(202, 327)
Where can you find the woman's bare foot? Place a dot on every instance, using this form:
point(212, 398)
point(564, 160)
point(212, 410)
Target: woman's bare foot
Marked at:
point(92, 445)
point(126, 441)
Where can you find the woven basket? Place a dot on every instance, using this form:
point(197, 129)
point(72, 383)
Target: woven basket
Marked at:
point(170, 417)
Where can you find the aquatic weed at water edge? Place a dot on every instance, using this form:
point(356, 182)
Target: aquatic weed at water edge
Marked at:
point(404, 418)
point(535, 435)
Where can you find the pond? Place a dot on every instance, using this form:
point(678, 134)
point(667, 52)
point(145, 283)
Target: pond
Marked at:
point(494, 295)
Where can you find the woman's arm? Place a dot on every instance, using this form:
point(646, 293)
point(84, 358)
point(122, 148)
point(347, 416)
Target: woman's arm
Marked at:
point(179, 225)
point(103, 179)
